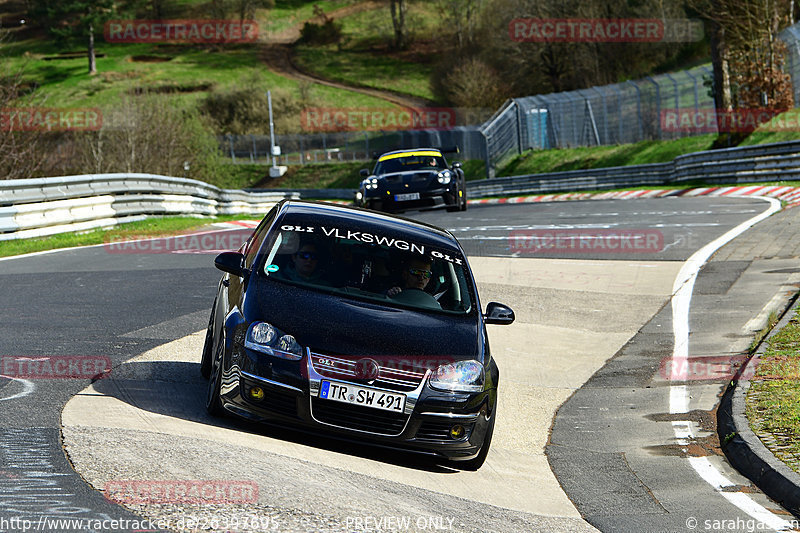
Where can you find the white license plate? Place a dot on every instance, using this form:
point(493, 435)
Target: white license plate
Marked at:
point(406, 196)
point(346, 393)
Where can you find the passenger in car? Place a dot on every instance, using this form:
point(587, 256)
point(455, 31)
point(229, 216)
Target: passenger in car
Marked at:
point(415, 274)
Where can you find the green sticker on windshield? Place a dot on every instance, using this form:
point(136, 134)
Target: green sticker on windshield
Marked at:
point(272, 268)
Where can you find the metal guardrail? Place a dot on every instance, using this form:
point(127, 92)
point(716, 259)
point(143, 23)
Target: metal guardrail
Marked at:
point(47, 206)
point(748, 164)
point(574, 180)
point(38, 207)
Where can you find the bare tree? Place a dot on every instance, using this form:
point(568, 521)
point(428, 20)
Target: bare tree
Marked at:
point(147, 133)
point(746, 53)
point(399, 8)
point(22, 143)
point(461, 16)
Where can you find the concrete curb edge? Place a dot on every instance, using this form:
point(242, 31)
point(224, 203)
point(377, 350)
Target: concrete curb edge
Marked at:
point(743, 448)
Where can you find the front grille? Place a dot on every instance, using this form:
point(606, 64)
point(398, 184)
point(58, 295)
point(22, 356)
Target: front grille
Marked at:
point(358, 417)
point(438, 430)
point(397, 374)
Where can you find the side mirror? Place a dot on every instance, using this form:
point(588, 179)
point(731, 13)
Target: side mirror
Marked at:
point(498, 314)
point(456, 164)
point(232, 263)
point(363, 173)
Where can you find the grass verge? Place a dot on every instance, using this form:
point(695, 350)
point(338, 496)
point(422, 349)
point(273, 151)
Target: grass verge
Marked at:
point(364, 56)
point(773, 402)
point(558, 160)
point(152, 227)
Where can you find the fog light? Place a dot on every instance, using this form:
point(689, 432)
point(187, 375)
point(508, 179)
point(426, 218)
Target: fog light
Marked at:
point(257, 393)
point(457, 431)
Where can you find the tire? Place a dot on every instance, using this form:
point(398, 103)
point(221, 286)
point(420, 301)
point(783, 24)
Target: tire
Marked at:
point(208, 346)
point(477, 462)
point(213, 402)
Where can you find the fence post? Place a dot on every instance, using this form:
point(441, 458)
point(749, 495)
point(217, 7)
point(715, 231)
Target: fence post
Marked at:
point(658, 102)
point(302, 152)
point(638, 108)
point(230, 144)
point(696, 93)
point(519, 125)
point(605, 114)
point(486, 156)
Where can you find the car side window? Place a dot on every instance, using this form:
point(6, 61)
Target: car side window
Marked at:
point(257, 238)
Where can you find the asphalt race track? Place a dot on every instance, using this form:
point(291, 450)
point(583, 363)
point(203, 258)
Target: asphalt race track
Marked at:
point(591, 284)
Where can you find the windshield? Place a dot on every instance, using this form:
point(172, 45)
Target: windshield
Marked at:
point(370, 266)
point(412, 162)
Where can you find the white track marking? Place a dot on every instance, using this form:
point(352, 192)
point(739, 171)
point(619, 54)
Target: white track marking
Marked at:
point(27, 388)
point(679, 394)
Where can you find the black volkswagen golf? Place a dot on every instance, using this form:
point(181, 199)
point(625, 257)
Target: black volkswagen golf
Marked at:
point(356, 323)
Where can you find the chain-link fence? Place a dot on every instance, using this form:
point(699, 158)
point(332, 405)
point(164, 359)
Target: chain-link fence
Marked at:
point(303, 149)
point(791, 37)
point(613, 114)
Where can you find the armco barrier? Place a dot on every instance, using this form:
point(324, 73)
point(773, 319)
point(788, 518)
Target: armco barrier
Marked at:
point(36, 207)
point(574, 180)
point(46, 206)
point(740, 165)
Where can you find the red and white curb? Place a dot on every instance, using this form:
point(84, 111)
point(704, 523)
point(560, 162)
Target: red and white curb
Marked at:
point(237, 224)
point(790, 195)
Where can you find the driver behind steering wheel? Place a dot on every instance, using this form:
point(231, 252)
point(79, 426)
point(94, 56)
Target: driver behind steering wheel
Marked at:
point(415, 274)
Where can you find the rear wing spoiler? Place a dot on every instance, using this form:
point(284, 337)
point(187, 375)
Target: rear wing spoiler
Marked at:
point(445, 150)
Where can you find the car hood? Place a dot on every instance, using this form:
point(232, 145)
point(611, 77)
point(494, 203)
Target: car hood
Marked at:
point(339, 325)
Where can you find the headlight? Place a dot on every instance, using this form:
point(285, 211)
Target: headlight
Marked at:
point(371, 183)
point(263, 337)
point(444, 177)
point(462, 376)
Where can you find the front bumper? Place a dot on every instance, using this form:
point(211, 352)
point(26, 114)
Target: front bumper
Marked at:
point(384, 200)
point(290, 394)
